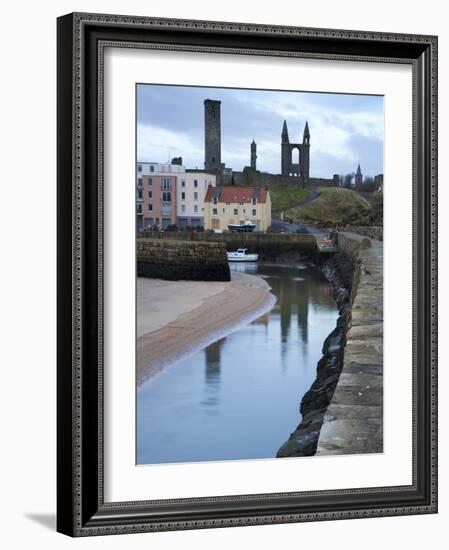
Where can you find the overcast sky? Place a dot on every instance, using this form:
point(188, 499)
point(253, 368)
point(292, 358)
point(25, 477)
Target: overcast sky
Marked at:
point(344, 129)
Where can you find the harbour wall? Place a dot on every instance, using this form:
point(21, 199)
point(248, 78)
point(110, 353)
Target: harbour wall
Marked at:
point(371, 231)
point(270, 246)
point(353, 422)
point(176, 260)
point(342, 413)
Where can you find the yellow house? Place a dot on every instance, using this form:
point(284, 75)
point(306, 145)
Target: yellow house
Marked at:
point(235, 205)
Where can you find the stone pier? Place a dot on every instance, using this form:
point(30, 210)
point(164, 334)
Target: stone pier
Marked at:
point(353, 422)
point(174, 260)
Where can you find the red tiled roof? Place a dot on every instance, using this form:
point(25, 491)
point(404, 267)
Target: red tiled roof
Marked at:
point(236, 194)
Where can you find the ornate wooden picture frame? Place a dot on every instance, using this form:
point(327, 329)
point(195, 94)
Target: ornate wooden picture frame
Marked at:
point(81, 508)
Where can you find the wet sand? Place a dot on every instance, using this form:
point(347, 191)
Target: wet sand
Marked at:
point(175, 318)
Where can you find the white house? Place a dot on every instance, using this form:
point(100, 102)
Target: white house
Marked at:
point(191, 190)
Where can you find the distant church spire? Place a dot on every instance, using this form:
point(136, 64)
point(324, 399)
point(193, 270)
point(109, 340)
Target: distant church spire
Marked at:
point(285, 133)
point(358, 180)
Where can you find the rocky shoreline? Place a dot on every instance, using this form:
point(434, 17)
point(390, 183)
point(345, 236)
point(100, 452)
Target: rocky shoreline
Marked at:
point(342, 271)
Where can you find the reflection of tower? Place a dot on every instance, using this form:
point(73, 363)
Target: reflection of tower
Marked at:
point(303, 313)
point(253, 155)
point(213, 362)
point(285, 307)
point(212, 135)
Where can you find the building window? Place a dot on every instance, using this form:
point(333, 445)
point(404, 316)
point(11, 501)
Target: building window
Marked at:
point(165, 183)
point(183, 196)
point(215, 211)
point(254, 211)
point(195, 196)
point(183, 183)
point(139, 209)
point(166, 209)
point(150, 194)
point(254, 202)
point(212, 114)
point(195, 183)
point(139, 182)
point(139, 168)
point(150, 208)
point(150, 181)
point(244, 211)
point(215, 200)
point(166, 196)
point(139, 193)
point(183, 207)
point(236, 211)
point(151, 168)
point(195, 208)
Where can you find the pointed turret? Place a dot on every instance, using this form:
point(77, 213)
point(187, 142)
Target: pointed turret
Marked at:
point(306, 135)
point(285, 133)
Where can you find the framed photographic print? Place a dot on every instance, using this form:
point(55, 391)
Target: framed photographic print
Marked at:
point(246, 274)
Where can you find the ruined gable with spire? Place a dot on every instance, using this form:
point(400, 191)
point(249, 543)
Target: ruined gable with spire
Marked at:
point(301, 151)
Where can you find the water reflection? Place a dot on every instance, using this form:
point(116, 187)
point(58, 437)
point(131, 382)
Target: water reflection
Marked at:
point(239, 397)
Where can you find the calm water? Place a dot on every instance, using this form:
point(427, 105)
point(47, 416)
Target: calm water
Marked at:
point(239, 397)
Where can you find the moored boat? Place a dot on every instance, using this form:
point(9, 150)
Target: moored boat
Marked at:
point(241, 255)
point(246, 227)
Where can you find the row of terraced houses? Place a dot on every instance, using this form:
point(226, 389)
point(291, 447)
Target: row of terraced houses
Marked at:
point(168, 195)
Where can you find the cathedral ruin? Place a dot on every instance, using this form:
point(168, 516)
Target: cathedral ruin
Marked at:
point(295, 156)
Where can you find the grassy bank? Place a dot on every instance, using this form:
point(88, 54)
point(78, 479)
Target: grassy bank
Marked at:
point(338, 206)
point(284, 196)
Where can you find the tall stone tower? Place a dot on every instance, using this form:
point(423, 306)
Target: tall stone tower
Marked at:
point(358, 180)
point(212, 136)
point(253, 155)
point(300, 169)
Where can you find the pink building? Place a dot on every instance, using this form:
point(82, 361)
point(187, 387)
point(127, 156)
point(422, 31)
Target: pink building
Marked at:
point(159, 200)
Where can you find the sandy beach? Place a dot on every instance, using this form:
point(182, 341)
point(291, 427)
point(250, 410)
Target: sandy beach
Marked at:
point(175, 318)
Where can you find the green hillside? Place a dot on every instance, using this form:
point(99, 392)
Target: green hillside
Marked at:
point(284, 197)
point(335, 206)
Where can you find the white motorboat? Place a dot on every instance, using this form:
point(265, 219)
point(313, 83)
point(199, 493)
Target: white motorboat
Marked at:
point(241, 255)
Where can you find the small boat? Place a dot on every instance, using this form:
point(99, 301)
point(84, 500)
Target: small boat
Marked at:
point(245, 227)
point(241, 256)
